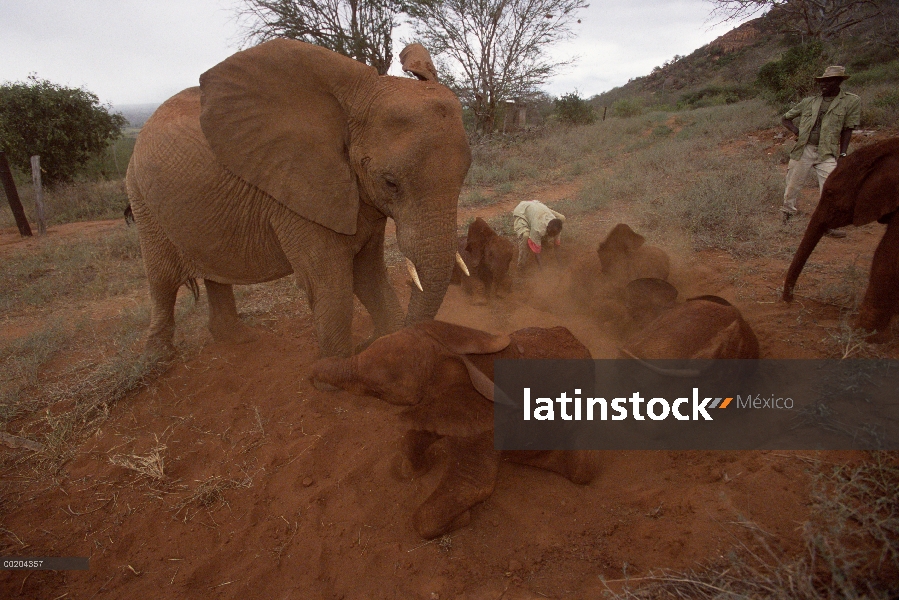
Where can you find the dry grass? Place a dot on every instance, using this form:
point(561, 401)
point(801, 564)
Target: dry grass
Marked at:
point(61, 270)
point(80, 201)
point(667, 169)
point(208, 495)
point(852, 548)
point(61, 376)
point(150, 465)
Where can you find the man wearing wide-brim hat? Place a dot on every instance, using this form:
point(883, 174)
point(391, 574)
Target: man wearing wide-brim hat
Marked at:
point(825, 129)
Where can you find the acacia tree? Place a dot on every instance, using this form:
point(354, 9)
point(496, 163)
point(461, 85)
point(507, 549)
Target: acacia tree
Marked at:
point(360, 29)
point(64, 126)
point(493, 50)
point(816, 19)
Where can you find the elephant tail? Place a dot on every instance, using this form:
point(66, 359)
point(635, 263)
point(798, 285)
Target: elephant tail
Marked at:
point(194, 287)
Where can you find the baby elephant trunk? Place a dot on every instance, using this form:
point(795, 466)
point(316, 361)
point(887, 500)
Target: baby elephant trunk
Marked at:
point(334, 372)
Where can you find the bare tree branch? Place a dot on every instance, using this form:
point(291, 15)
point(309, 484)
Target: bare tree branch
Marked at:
point(817, 19)
point(493, 50)
point(360, 29)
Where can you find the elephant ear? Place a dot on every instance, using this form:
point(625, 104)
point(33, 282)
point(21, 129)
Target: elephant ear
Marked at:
point(271, 117)
point(416, 60)
point(622, 238)
point(464, 340)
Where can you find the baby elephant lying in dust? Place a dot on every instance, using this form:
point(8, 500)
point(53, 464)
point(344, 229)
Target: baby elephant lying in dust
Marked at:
point(487, 255)
point(625, 257)
point(444, 374)
point(705, 327)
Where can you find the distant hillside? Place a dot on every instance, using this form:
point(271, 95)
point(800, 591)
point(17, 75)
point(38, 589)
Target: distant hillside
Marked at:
point(727, 70)
point(137, 114)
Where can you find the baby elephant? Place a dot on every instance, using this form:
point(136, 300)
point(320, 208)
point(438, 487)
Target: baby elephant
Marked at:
point(625, 257)
point(704, 327)
point(487, 256)
point(444, 374)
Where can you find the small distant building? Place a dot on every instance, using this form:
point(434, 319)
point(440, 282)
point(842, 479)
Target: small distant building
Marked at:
point(516, 114)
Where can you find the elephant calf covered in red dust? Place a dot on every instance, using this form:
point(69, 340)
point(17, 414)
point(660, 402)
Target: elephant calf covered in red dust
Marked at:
point(625, 256)
point(705, 327)
point(444, 374)
point(486, 255)
point(862, 189)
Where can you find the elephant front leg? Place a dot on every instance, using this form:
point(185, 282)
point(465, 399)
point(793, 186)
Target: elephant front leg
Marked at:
point(882, 296)
point(470, 477)
point(323, 262)
point(329, 289)
point(372, 286)
point(224, 324)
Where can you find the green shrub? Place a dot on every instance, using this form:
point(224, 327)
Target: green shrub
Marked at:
point(714, 96)
point(627, 107)
point(64, 126)
point(571, 109)
point(792, 77)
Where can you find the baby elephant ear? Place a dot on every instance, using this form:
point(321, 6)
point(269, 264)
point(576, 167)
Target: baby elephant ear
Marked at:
point(464, 340)
point(273, 116)
point(417, 60)
point(626, 238)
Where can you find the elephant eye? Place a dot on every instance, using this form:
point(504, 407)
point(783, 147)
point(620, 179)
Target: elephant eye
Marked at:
point(391, 185)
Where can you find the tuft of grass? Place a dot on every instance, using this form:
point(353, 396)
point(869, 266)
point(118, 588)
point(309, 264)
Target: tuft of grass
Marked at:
point(150, 465)
point(847, 291)
point(208, 495)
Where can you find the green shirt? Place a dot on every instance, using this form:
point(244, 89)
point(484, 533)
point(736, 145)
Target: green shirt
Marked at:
point(844, 113)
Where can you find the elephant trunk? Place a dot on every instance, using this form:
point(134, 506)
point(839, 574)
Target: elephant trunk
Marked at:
point(813, 234)
point(334, 371)
point(430, 245)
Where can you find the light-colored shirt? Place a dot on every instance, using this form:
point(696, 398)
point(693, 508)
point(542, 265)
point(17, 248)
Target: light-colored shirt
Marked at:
point(531, 217)
point(843, 113)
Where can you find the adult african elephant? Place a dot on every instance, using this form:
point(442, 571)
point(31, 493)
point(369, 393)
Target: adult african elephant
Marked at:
point(288, 158)
point(863, 188)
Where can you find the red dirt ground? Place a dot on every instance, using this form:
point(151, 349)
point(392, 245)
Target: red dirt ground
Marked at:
point(299, 498)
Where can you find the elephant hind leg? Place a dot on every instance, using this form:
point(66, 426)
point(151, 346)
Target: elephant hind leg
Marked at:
point(166, 272)
point(470, 477)
point(224, 324)
point(881, 299)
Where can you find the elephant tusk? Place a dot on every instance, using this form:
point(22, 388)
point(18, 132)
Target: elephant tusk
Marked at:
point(462, 264)
point(667, 372)
point(413, 274)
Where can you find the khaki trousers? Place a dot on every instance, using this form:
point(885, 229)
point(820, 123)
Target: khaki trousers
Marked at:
point(797, 173)
point(523, 249)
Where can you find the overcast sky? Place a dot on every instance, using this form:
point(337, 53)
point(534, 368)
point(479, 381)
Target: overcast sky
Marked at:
point(143, 51)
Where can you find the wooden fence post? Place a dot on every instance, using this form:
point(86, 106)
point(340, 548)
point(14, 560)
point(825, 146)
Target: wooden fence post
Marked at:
point(38, 194)
point(12, 196)
point(604, 109)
